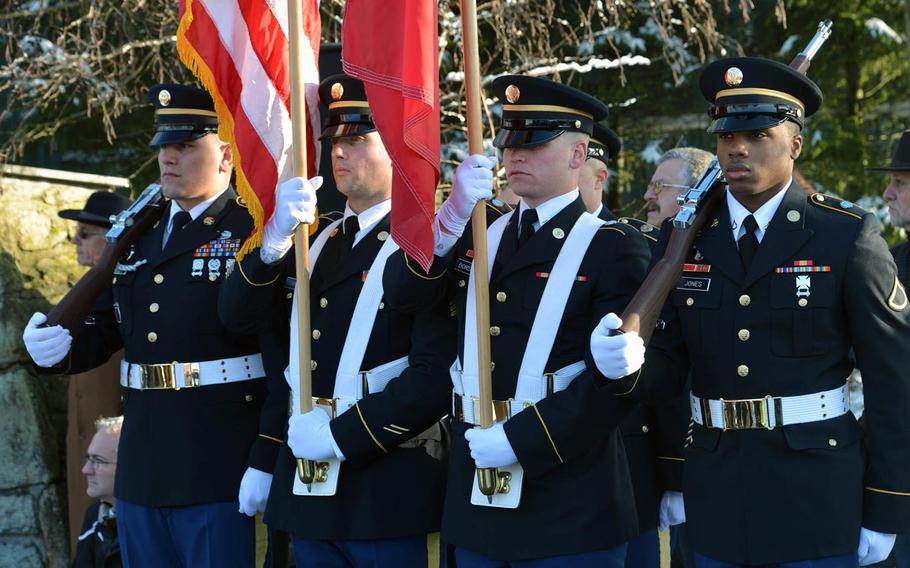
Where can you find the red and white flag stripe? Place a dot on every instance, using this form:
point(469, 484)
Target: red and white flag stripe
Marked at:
point(239, 50)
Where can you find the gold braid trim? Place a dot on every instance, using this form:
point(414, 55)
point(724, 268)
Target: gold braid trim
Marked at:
point(250, 282)
point(270, 438)
point(547, 431)
point(635, 384)
point(370, 432)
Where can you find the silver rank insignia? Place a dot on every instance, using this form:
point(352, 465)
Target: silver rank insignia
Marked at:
point(803, 283)
point(214, 269)
point(198, 265)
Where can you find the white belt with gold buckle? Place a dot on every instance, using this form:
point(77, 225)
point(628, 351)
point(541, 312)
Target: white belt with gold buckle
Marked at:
point(176, 376)
point(769, 412)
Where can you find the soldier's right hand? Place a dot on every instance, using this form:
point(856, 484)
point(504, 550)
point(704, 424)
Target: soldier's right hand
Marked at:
point(47, 346)
point(616, 355)
point(295, 203)
point(473, 182)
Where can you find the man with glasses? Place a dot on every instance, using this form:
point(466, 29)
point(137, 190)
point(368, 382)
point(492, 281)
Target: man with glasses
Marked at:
point(677, 170)
point(95, 392)
point(98, 545)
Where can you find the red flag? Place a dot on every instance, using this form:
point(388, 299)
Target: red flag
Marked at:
point(240, 52)
point(392, 47)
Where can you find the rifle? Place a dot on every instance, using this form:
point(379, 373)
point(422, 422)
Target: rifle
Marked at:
point(697, 205)
point(128, 226)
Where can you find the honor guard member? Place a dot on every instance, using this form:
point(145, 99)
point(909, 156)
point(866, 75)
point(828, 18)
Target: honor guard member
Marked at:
point(570, 496)
point(897, 195)
point(192, 390)
point(594, 176)
point(781, 296)
point(381, 375)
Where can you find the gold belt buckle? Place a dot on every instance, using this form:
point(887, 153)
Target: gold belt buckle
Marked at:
point(164, 376)
point(502, 410)
point(329, 404)
point(749, 414)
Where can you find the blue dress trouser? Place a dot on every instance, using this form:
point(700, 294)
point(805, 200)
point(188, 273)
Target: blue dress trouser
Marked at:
point(214, 535)
point(613, 558)
point(845, 561)
point(408, 552)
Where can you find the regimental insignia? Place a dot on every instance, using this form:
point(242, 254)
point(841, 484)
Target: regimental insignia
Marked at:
point(714, 223)
point(382, 236)
point(240, 202)
point(513, 94)
point(803, 285)
point(699, 255)
point(337, 91)
point(733, 77)
point(802, 266)
point(209, 220)
point(577, 124)
point(198, 265)
point(164, 97)
point(229, 266)
point(214, 269)
point(898, 299)
point(218, 248)
point(559, 233)
point(793, 215)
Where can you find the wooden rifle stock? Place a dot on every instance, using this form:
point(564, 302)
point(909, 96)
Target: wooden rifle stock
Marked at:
point(76, 305)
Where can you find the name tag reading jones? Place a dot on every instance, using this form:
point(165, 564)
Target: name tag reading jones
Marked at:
point(693, 284)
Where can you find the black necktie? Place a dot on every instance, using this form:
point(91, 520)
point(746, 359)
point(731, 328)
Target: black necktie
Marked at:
point(351, 227)
point(748, 243)
point(181, 218)
point(526, 227)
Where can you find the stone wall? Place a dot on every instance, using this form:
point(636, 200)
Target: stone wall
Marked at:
point(37, 267)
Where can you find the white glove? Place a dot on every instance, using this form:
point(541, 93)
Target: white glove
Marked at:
point(672, 510)
point(874, 546)
point(490, 447)
point(295, 203)
point(310, 437)
point(254, 491)
point(47, 346)
point(619, 355)
point(473, 182)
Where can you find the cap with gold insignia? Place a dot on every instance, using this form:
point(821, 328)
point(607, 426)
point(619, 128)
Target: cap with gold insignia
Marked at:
point(182, 113)
point(349, 112)
point(537, 110)
point(900, 161)
point(604, 144)
point(750, 93)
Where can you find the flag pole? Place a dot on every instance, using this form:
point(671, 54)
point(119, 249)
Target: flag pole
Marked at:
point(306, 469)
point(486, 477)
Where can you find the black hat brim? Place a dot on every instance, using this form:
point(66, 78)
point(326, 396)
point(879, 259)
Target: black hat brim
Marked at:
point(506, 138)
point(85, 217)
point(177, 136)
point(347, 129)
point(744, 123)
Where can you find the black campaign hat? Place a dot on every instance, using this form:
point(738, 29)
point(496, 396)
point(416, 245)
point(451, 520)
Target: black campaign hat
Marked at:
point(900, 161)
point(98, 209)
point(349, 111)
point(536, 110)
point(750, 93)
point(182, 113)
point(604, 144)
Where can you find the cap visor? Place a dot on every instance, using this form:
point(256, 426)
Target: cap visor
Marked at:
point(744, 123)
point(176, 136)
point(347, 129)
point(524, 138)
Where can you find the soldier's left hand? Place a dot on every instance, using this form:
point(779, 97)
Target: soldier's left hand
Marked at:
point(490, 447)
point(874, 546)
point(309, 435)
point(616, 356)
point(254, 491)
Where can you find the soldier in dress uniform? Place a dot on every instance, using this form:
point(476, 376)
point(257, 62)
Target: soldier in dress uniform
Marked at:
point(383, 373)
point(192, 389)
point(575, 503)
point(781, 295)
point(897, 195)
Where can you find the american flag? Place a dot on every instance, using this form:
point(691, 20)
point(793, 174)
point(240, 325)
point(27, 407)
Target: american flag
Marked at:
point(239, 50)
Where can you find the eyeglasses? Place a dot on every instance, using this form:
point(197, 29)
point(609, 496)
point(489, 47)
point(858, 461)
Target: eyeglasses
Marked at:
point(660, 185)
point(97, 460)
